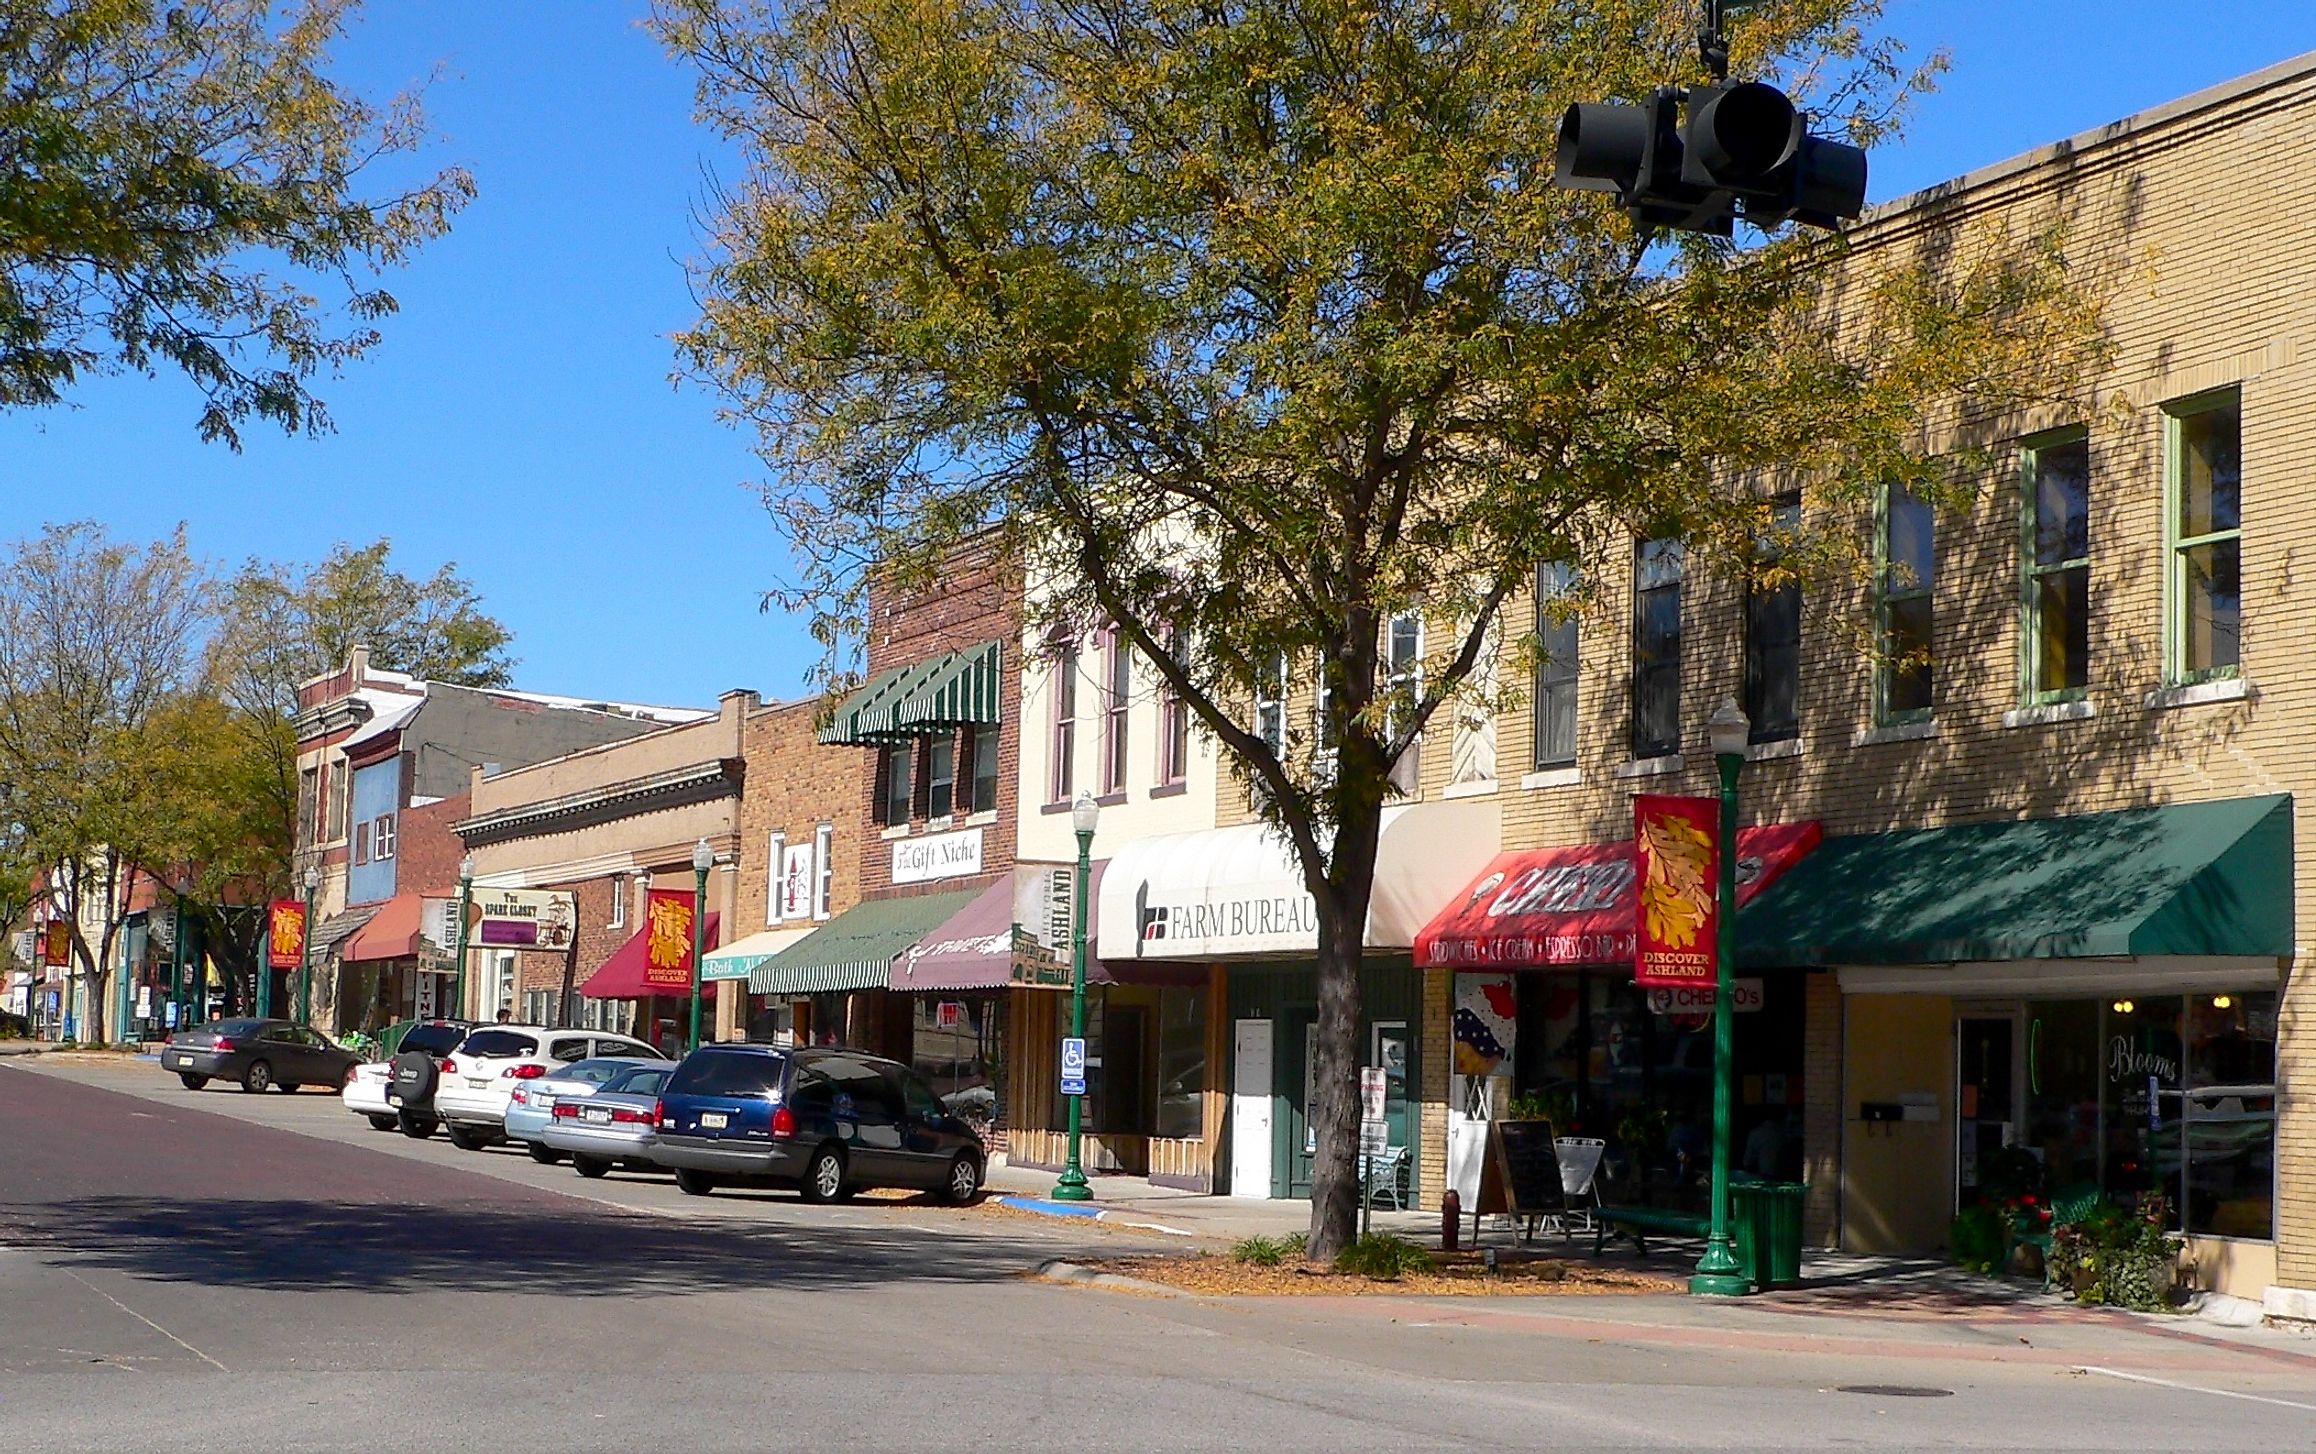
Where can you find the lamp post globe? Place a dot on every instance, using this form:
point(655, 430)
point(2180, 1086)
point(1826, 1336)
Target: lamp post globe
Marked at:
point(1718, 1272)
point(703, 859)
point(1085, 816)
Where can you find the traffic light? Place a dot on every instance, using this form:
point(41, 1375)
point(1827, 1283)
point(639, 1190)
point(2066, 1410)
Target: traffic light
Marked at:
point(1743, 150)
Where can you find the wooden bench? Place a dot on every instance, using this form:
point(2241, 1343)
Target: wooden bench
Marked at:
point(1638, 1222)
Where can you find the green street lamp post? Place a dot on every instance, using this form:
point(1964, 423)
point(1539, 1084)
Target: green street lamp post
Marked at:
point(703, 859)
point(306, 951)
point(1085, 813)
point(177, 995)
point(1718, 1272)
point(465, 902)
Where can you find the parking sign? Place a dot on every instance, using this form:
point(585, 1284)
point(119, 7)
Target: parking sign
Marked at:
point(1073, 1066)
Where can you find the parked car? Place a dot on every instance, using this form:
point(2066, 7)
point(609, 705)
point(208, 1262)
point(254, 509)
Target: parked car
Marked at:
point(476, 1082)
point(257, 1054)
point(532, 1104)
point(373, 1093)
point(615, 1126)
point(828, 1122)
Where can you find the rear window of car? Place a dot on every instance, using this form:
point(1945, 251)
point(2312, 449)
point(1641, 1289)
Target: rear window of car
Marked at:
point(639, 1080)
point(230, 1028)
point(433, 1039)
point(727, 1073)
point(499, 1044)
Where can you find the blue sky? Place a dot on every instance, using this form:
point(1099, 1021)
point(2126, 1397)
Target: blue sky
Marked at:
point(519, 419)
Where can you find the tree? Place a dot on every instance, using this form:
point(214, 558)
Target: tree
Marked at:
point(1253, 324)
point(151, 158)
point(96, 639)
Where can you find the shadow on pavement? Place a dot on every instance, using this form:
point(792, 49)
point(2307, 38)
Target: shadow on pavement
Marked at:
point(314, 1245)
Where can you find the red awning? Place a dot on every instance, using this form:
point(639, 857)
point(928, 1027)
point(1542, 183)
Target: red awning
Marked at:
point(392, 932)
point(1548, 906)
point(621, 977)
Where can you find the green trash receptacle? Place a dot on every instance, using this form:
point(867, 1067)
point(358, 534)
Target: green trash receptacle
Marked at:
point(1750, 1232)
point(1778, 1226)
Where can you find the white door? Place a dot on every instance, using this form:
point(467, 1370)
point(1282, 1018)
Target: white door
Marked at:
point(1250, 1110)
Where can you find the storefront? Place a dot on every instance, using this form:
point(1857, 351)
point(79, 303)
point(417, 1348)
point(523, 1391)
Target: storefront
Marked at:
point(2100, 991)
point(830, 985)
point(388, 970)
point(662, 1011)
point(1548, 1024)
point(1211, 937)
point(766, 1019)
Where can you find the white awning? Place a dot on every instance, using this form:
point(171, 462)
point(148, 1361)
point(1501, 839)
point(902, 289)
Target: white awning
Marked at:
point(734, 961)
point(1234, 893)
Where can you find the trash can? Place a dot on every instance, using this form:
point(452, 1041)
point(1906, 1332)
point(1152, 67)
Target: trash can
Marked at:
point(1778, 1226)
point(1749, 1231)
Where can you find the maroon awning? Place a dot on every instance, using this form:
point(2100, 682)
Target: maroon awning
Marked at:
point(622, 977)
point(972, 949)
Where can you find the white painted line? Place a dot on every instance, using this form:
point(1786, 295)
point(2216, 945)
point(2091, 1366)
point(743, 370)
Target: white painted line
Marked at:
point(2282, 1403)
point(148, 1322)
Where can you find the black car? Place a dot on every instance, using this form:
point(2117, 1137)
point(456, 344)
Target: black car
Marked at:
point(258, 1054)
point(828, 1122)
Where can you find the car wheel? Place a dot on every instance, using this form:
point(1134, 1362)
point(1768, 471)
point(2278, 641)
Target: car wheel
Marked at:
point(964, 1180)
point(823, 1176)
point(288, 1087)
point(467, 1138)
point(588, 1166)
point(192, 1081)
point(257, 1077)
point(694, 1183)
point(544, 1154)
point(384, 1123)
point(416, 1127)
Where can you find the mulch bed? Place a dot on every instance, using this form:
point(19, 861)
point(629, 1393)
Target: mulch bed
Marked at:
point(1455, 1274)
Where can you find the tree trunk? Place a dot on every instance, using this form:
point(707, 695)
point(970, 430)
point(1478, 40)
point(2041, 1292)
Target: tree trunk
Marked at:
point(1337, 1054)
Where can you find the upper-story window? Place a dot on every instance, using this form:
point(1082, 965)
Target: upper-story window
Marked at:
point(978, 793)
point(1402, 689)
point(775, 876)
point(1773, 630)
point(1065, 723)
point(1117, 693)
point(824, 869)
point(1173, 728)
point(941, 776)
point(2056, 489)
point(1270, 708)
point(1906, 576)
point(619, 896)
point(359, 849)
point(309, 800)
point(337, 789)
point(2205, 581)
point(1557, 643)
point(896, 783)
point(1656, 647)
point(382, 833)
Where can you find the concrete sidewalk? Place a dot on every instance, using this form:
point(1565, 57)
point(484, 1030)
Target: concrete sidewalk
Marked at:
point(1133, 1200)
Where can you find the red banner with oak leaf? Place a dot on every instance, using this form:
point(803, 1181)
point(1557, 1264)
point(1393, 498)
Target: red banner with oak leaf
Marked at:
point(667, 938)
point(1677, 841)
point(285, 946)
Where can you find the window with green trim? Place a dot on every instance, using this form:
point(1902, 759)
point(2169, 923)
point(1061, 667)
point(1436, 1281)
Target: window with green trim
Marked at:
point(2057, 547)
point(2204, 475)
point(1906, 574)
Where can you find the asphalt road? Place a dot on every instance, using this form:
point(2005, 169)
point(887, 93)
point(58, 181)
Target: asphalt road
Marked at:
point(218, 1271)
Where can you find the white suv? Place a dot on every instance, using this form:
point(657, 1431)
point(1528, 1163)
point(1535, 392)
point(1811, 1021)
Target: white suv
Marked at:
point(480, 1076)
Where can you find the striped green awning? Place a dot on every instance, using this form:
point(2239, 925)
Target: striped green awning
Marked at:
point(956, 689)
point(855, 950)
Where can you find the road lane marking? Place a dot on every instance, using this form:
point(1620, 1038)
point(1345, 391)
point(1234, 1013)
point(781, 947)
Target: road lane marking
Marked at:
point(2282, 1403)
point(140, 1317)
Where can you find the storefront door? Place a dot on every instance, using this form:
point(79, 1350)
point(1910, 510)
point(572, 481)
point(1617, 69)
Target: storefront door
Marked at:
point(1298, 1045)
point(1986, 1096)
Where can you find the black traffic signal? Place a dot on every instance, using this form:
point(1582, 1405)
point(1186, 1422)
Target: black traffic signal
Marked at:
point(1743, 150)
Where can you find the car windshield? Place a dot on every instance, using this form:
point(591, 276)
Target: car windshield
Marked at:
point(641, 1080)
point(433, 1039)
point(498, 1044)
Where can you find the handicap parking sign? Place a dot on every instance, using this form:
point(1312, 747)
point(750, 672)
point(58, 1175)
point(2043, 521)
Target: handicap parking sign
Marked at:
point(1073, 1066)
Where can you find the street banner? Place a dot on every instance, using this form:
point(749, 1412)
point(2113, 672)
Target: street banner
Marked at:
point(286, 934)
point(1677, 841)
point(527, 918)
point(57, 952)
point(667, 938)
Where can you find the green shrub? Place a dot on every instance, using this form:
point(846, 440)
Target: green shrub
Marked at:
point(1381, 1255)
point(1268, 1251)
point(1980, 1240)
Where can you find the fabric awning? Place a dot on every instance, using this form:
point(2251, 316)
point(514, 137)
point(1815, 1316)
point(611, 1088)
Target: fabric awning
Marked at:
point(2183, 880)
point(1236, 892)
point(392, 932)
point(622, 975)
point(1575, 905)
point(972, 949)
point(735, 961)
point(956, 689)
point(855, 950)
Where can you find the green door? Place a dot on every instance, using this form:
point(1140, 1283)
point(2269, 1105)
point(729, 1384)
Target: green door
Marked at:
point(1298, 1029)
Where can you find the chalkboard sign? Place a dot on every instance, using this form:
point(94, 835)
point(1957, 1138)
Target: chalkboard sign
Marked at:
point(1522, 1172)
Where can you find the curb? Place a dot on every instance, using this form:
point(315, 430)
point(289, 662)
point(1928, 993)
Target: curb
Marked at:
point(1086, 1212)
point(1072, 1273)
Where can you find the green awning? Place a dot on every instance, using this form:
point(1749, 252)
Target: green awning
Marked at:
point(855, 950)
point(956, 689)
point(2203, 879)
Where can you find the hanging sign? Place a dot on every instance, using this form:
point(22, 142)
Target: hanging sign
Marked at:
point(527, 918)
point(285, 940)
point(1486, 1018)
point(57, 951)
point(1677, 843)
point(667, 942)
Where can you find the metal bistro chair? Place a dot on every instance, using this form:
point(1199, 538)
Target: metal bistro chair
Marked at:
point(1580, 1174)
point(1382, 1176)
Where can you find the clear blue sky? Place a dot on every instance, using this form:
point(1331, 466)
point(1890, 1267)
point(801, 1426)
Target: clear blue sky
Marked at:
point(518, 417)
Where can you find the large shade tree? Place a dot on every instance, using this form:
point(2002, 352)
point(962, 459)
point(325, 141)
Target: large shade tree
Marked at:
point(183, 186)
point(1250, 324)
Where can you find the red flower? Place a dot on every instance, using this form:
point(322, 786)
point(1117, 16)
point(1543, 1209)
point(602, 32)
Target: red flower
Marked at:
point(2026, 1201)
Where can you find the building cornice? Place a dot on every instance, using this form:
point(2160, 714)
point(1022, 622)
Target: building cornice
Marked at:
point(676, 788)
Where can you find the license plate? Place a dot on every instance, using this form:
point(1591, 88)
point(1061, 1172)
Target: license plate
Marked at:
point(714, 1120)
point(393, 1099)
point(478, 1081)
point(544, 1103)
point(600, 1118)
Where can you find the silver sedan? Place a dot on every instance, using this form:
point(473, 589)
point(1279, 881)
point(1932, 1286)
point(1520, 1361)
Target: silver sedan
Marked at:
point(615, 1126)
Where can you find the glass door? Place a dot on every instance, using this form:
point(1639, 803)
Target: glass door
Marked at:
point(1986, 1096)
